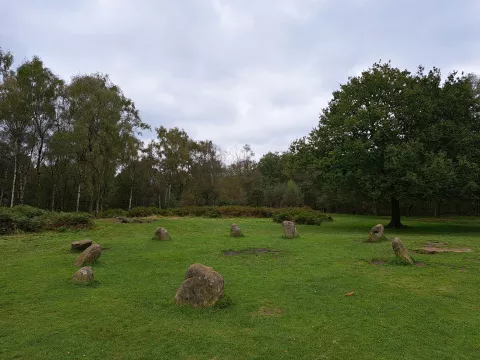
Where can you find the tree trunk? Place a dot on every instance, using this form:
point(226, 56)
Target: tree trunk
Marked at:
point(130, 199)
point(21, 189)
point(39, 161)
point(12, 199)
point(395, 220)
point(78, 197)
point(437, 210)
point(54, 188)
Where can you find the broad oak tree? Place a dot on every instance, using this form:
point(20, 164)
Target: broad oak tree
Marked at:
point(391, 134)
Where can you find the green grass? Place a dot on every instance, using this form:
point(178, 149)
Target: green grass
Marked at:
point(286, 305)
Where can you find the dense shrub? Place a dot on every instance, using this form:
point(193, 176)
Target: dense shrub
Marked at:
point(23, 217)
point(68, 220)
point(301, 215)
point(112, 213)
point(142, 211)
point(7, 222)
point(213, 213)
point(28, 211)
point(30, 219)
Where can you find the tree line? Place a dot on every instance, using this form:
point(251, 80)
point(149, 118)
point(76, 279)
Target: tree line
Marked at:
point(386, 136)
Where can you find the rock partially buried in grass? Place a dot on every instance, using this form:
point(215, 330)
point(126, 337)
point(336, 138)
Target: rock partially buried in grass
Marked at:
point(161, 234)
point(289, 229)
point(203, 287)
point(81, 245)
point(377, 233)
point(235, 231)
point(400, 250)
point(89, 255)
point(83, 275)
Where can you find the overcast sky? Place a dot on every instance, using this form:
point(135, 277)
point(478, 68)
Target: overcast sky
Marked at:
point(239, 71)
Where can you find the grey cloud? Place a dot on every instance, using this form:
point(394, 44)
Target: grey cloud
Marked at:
point(237, 71)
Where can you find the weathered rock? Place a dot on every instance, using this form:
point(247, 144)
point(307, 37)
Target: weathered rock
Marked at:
point(89, 255)
point(81, 245)
point(202, 287)
point(83, 275)
point(289, 229)
point(161, 234)
point(235, 231)
point(400, 250)
point(377, 233)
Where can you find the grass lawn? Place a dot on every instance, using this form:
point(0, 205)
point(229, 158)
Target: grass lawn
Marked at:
point(288, 304)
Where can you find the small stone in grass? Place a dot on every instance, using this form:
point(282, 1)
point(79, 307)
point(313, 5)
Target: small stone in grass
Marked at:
point(83, 275)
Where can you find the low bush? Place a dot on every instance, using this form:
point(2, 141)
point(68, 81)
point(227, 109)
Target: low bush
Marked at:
point(79, 220)
point(28, 211)
point(7, 222)
point(301, 215)
point(30, 219)
point(112, 213)
point(212, 213)
point(142, 211)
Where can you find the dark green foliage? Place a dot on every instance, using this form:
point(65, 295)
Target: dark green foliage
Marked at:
point(142, 211)
point(303, 216)
point(68, 220)
point(30, 219)
point(213, 213)
point(28, 211)
point(7, 222)
point(24, 218)
point(112, 213)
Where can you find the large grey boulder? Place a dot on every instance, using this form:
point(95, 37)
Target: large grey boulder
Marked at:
point(162, 234)
point(203, 287)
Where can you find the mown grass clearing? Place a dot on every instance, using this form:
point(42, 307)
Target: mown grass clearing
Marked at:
point(287, 303)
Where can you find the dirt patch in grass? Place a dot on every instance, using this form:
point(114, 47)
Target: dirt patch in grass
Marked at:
point(377, 262)
point(435, 250)
point(266, 311)
point(420, 264)
point(250, 251)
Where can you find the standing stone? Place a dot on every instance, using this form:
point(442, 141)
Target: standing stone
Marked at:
point(81, 245)
point(84, 275)
point(202, 287)
point(235, 231)
point(400, 250)
point(89, 255)
point(377, 233)
point(289, 229)
point(161, 234)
